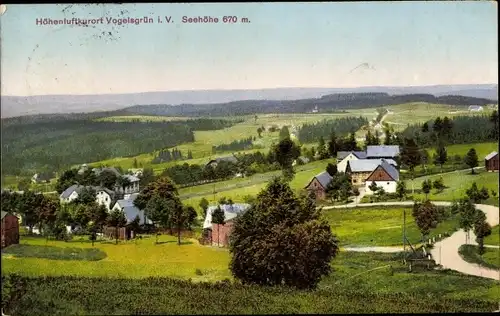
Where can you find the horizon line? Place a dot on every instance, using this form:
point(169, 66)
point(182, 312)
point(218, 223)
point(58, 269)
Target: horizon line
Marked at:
point(253, 89)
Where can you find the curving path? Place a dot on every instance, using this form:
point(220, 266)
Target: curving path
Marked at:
point(445, 252)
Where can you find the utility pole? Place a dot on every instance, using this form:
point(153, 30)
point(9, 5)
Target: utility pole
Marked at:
point(404, 236)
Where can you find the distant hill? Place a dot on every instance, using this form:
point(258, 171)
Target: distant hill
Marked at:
point(17, 105)
point(326, 103)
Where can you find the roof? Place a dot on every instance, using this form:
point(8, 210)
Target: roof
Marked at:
point(4, 214)
point(390, 169)
point(359, 154)
point(232, 159)
point(380, 151)
point(131, 178)
point(108, 191)
point(112, 169)
point(131, 211)
point(230, 212)
point(66, 193)
point(323, 178)
point(475, 107)
point(78, 188)
point(303, 159)
point(490, 155)
point(367, 165)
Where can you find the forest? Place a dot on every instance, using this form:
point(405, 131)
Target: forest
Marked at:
point(327, 103)
point(53, 145)
point(236, 145)
point(459, 130)
point(312, 132)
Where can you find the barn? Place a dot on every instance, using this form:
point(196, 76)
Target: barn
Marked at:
point(318, 185)
point(385, 176)
point(10, 229)
point(491, 162)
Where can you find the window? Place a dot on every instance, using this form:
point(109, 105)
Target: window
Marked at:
point(387, 183)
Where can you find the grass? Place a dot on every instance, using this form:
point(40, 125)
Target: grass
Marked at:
point(131, 259)
point(420, 112)
point(238, 189)
point(490, 259)
point(142, 118)
point(386, 290)
point(494, 238)
point(456, 184)
point(379, 226)
point(54, 253)
point(482, 150)
point(201, 148)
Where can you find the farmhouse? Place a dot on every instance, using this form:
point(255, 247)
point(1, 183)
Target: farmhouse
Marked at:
point(385, 175)
point(318, 185)
point(213, 162)
point(133, 187)
point(220, 233)
point(359, 170)
point(343, 157)
point(491, 162)
point(131, 212)
point(300, 161)
point(382, 151)
point(475, 108)
point(10, 229)
point(42, 177)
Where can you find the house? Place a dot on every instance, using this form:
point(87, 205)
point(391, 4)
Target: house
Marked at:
point(491, 162)
point(43, 177)
point(137, 172)
point(115, 171)
point(318, 185)
point(345, 156)
point(217, 233)
point(131, 212)
point(10, 229)
point(475, 108)
point(300, 161)
point(103, 196)
point(385, 175)
point(133, 187)
point(360, 169)
point(213, 162)
point(382, 151)
point(84, 167)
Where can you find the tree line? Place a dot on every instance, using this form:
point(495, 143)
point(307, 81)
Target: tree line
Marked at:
point(459, 130)
point(166, 155)
point(54, 145)
point(310, 132)
point(326, 103)
point(236, 145)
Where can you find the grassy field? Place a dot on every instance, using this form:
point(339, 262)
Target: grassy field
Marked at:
point(482, 149)
point(411, 113)
point(204, 140)
point(131, 259)
point(456, 184)
point(142, 118)
point(238, 189)
point(490, 259)
point(494, 238)
point(379, 226)
point(359, 283)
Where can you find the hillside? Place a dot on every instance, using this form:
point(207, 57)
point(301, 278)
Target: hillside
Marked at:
point(326, 103)
point(43, 104)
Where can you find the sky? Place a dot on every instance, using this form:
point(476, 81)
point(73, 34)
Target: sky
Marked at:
point(283, 45)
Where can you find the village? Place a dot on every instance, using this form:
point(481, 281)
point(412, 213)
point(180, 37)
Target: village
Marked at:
point(369, 171)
